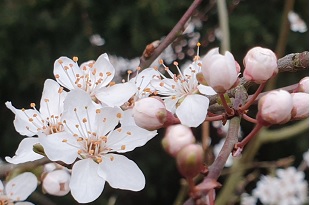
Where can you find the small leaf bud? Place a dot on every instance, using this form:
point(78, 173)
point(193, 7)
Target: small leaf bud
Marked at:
point(260, 65)
point(275, 108)
point(190, 160)
point(176, 137)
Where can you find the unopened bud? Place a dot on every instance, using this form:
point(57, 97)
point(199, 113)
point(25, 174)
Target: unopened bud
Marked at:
point(220, 71)
point(275, 108)
point(260, 65)
point(57, 182)
point(303, 85)
point(300, 106)
point(190, 160)
point(150, 113)
point(176, 137)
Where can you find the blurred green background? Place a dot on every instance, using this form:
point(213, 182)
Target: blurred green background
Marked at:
point(34, 33)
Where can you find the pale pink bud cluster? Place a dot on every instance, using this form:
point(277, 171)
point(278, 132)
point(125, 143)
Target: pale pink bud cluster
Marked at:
point(303, 85)
point(220, 71)
point(177, 137)
point(57, 182)
point(260, 65)
point(190, 160)
point(150, 113)
point(300, 106)
point(275, 108)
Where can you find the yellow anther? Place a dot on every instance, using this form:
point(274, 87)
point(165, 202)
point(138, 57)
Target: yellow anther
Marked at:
point(60, 90)
point(98, 111)
point(104, 138)
point(112, 83)
point(64, 140)
point(198, 44)
point(75, 59)
point(161, 61)
point(175, 63)
point(161, 84)
point(79, 139)
point(129, 71)
point(60, 61)
point(128, 133)
point(32, 105)
point(111, 158)
point(119, 115)
point(57, 76)
point(99, 159)
point(123, 147)
point(30, 120)
point(108, 73)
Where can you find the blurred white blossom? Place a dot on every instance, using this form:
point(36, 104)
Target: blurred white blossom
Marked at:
point(296, 23)
point(288, 187)
point(96, 40)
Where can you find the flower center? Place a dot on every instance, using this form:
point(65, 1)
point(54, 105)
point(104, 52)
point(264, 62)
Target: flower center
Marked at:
point(85, 77)
point(48, 125)
point(4, 200)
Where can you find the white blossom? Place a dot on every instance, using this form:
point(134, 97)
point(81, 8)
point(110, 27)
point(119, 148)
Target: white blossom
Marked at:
point(18, 189)
point(91, 137)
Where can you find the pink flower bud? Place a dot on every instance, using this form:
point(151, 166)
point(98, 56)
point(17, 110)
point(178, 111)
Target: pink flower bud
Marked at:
point(260, 65)
point(176, 137)
point(275, 108)
point(150, 113)
point(300, 106)
point(57, 182)
point(190, 160)
point(303, 85)
point(220, 71)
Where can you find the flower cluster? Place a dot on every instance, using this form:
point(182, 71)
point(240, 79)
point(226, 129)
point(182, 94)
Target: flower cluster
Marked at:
point(86, 120)
point(288, 187)
point(18, 189)
point(82, 124)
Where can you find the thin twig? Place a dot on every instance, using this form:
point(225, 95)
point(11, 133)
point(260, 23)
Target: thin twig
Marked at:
point(174, 33)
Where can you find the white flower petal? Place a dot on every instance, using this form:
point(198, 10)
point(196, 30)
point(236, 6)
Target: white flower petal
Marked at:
point(60, 146)
point(52, 99)
point(117, 94)
point(21, 186)
point(126, 138)
point(24, 203)
point(85, 184)
point(107, 119)
point(170, 104)
point(122, 173)
point(193, 110)
point(128, 119)
point(24, 152)
point(65, 71)
point(78, 106)
point(206, 90)
point(102, 66)
point(1, 188)
point(143, 79)
point(21, 122)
